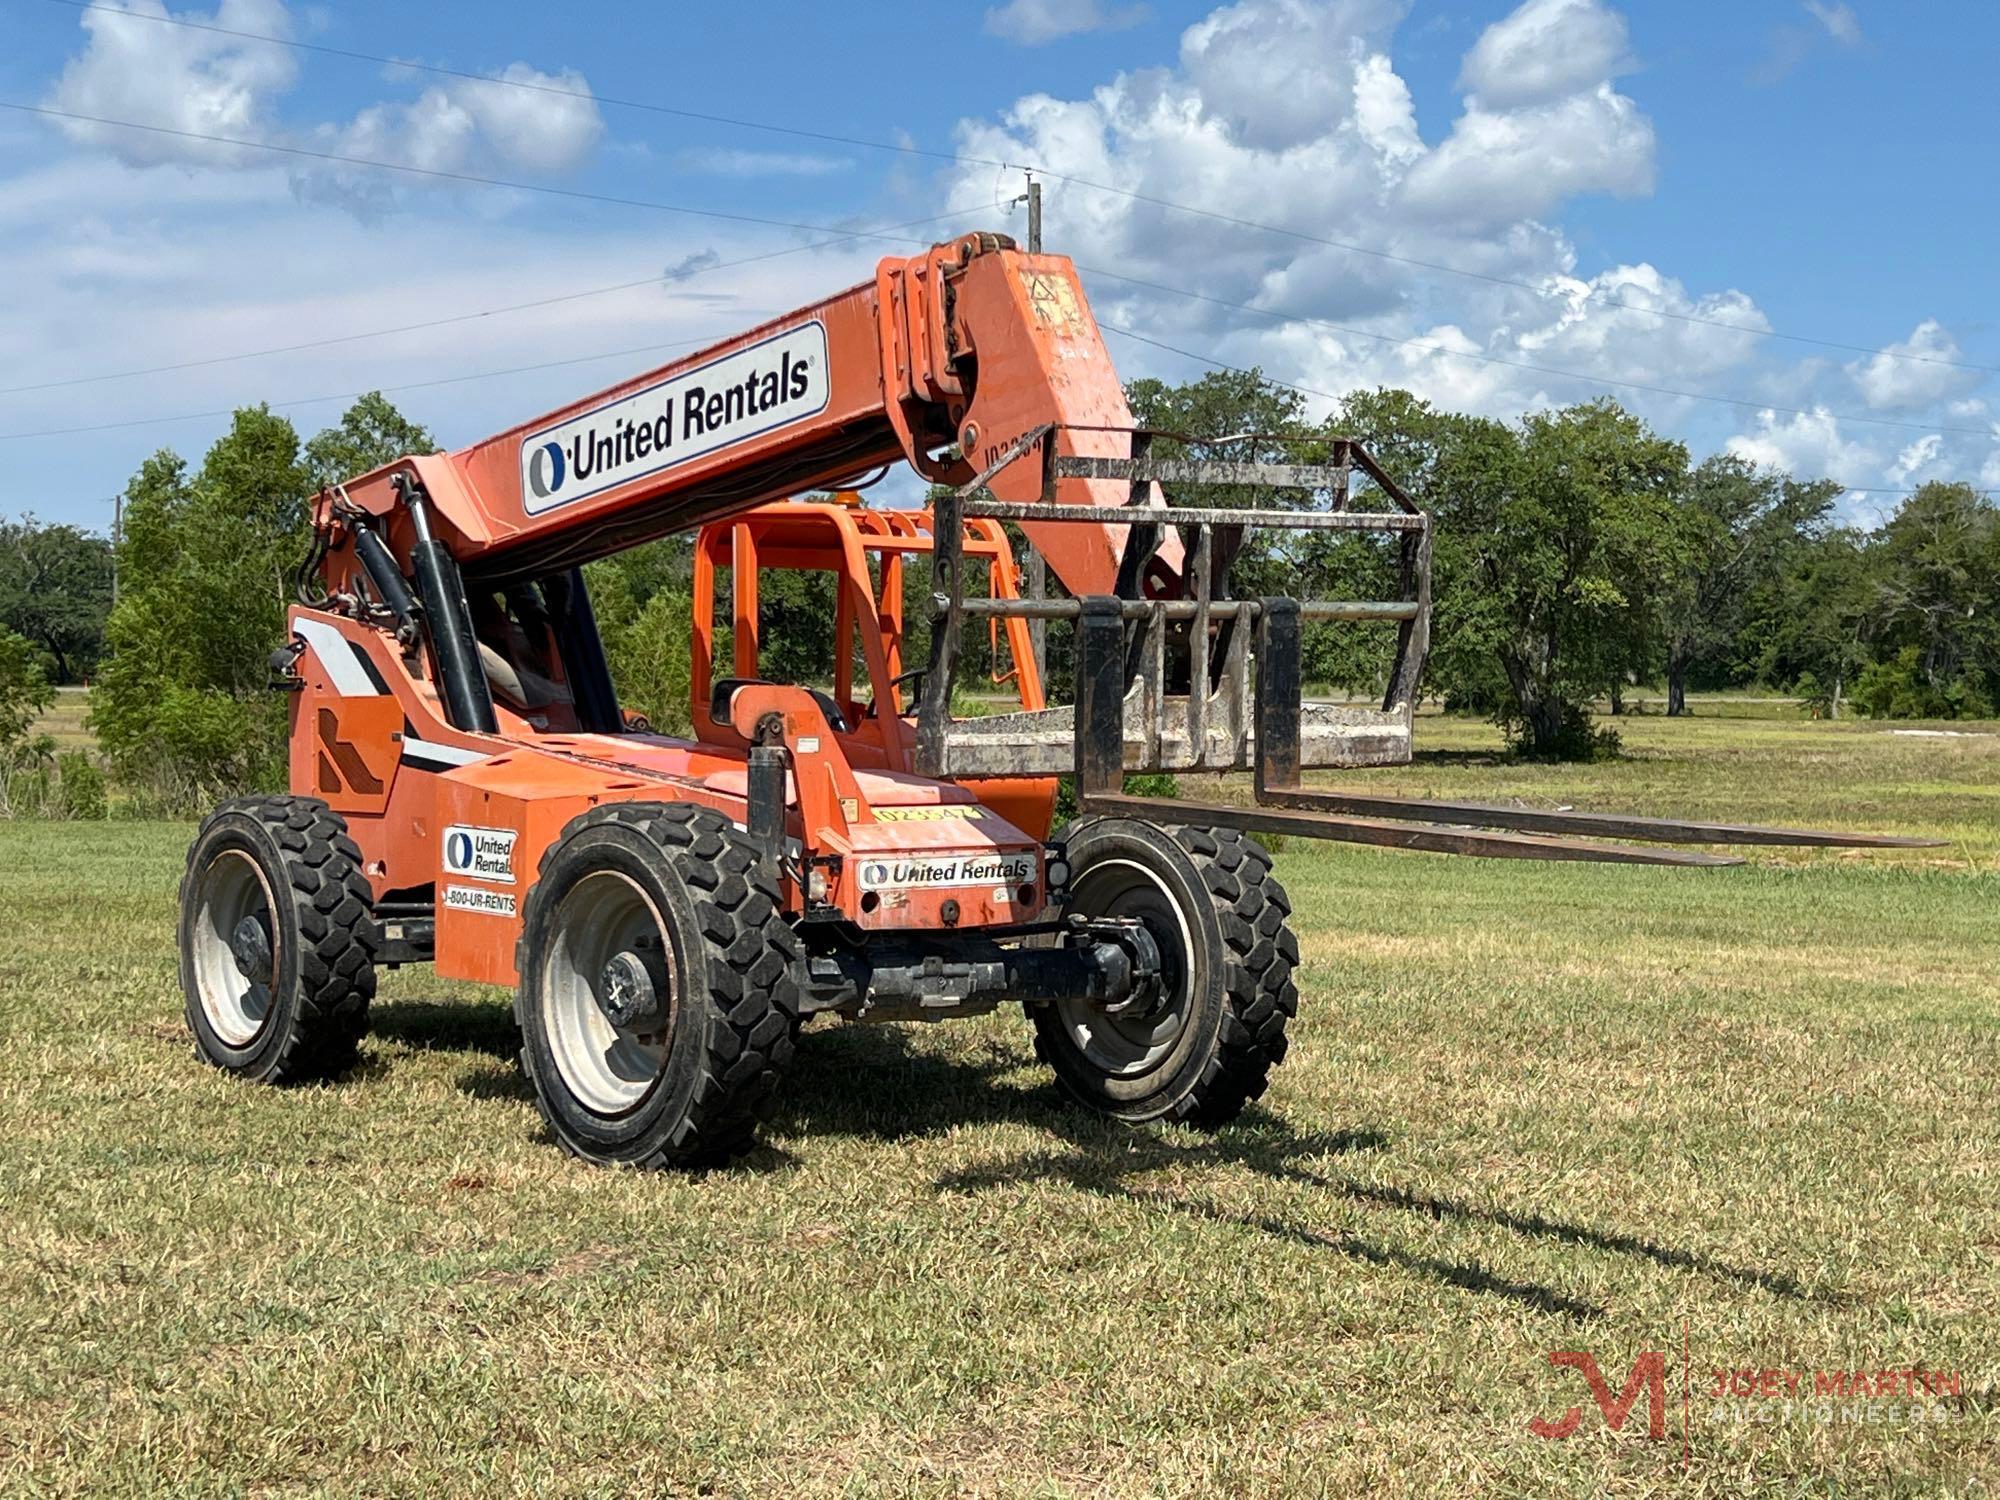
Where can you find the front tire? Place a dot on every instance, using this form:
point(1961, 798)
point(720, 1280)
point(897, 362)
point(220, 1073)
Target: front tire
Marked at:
point(276, 924)
point(659, 987)
point(1221, 921)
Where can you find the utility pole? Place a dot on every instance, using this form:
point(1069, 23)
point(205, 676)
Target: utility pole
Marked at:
point(117, 527)
point(1037, 570)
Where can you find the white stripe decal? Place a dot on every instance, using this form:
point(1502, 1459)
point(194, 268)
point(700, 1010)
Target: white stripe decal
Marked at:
point(337, 659)
point(449, 755)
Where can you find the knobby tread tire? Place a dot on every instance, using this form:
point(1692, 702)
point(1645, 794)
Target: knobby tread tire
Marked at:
point(1255, 914)
point(751, 961)
point(1259, 996)
point(332, 910)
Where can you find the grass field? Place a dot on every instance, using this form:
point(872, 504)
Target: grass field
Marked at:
point(1743, 1117)
point(63, 723)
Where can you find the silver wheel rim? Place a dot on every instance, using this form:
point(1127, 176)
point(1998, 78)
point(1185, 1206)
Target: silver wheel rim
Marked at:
point(610, 1070)
point(237, 1005)
point(1127, 1044)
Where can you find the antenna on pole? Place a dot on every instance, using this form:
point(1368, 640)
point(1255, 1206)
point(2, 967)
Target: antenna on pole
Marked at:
point(1033, 198)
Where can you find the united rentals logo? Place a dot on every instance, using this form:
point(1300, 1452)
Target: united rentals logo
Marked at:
point(912, 873)
point(780, 380)
point(482, 853)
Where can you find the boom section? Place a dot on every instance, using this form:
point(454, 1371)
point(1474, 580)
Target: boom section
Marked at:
point(943, 360)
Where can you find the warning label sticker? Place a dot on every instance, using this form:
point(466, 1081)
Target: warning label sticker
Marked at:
point(471, 898)
point(482, 853)
point(955, 812)
point(912, 872)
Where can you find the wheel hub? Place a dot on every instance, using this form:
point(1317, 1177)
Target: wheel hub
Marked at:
point(250, 947)
point(629, 994)
point(1127, 1039)
point(1151, 990)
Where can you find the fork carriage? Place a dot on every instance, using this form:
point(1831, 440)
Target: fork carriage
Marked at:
point(1206, 683)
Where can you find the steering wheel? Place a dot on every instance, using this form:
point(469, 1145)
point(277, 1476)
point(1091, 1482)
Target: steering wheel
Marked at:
point(915, 677)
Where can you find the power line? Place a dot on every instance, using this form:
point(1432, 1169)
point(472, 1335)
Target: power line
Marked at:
point(647, 105)
point(906, 149)
point(437, 173)
point(1515, 364)
point(415, 385)
point(1416, 343)
point(884, 231)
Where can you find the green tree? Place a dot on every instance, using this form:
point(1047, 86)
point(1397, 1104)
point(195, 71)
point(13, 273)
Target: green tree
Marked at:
point(1738, 527)
point(206, 565)
point(1552, 539)
point(650, 660)
point(24, 696)
point(1810, 623)
point(55, 589)
point(371, 433)
point(643, 600)
point(1937, 577)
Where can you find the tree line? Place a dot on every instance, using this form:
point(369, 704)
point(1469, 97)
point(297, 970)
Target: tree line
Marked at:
point(1578, 555)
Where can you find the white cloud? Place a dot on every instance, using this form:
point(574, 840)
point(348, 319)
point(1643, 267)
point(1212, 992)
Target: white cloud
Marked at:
point(1839, 20)
point(1520, 163)
point(177, 78)
point(1809, 444)
point(1907, 374)
point(1295, 115)
point(232, 256)
point(1612, 325)
point(1918, 460)
point(721, 162)
point(1275, 74)
point(1384, 114)
point(1546, 50)
point(1989, 472)
point(204, 83)
point(1034, 22)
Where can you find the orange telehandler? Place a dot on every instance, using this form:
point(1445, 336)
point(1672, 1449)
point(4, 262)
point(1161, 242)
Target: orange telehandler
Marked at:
point(466, 790)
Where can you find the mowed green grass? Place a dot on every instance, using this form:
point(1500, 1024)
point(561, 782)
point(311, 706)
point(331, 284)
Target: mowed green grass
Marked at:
point(1744, 1113)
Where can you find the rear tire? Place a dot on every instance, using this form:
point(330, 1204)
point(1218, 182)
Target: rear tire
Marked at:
point(1221, 921)
point(675, 1061)
point(276, 927)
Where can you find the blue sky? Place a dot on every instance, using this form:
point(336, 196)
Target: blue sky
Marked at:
point(1808, 168)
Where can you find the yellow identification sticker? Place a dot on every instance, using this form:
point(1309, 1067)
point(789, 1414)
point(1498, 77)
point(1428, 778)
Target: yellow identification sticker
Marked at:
point(1053, 299)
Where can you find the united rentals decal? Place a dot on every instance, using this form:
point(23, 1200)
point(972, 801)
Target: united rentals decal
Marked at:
point(750, 391)
point(911, 872)
point(482, 853)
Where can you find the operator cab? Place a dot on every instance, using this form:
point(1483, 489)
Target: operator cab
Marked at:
point(544, 661)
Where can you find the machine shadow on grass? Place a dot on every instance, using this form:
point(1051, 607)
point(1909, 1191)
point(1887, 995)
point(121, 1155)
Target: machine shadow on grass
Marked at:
point(480, 1028)
point(913, 1093)
point(923, 1093)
